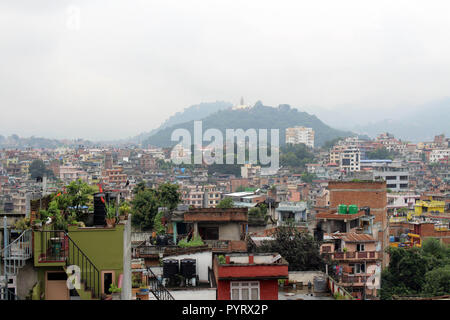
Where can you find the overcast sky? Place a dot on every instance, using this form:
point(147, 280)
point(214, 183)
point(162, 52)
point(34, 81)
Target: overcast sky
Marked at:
point(112, 69)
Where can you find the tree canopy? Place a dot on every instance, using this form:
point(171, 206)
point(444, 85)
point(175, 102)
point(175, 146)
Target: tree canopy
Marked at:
point(147, 201)
point(37, 169)
point(295, 155)
point(417, 271)
point(225, 203)
point(381, 153)
point(299, 248)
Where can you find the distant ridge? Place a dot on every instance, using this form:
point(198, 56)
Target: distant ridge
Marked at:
point(194, 112)
point(421, 123)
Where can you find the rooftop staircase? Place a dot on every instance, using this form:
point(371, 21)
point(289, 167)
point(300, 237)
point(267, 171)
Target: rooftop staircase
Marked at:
point(14, 257)
point(157, 288)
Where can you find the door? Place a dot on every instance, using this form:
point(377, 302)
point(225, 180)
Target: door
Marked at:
point(56, 286)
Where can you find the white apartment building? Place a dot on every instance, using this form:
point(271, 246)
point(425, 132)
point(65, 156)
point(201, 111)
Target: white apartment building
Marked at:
point(438, 154)
point(349, 159)
point(250, 171)
point(393, 172)
point(298, 135)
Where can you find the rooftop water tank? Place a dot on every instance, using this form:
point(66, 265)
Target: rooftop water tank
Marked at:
point(188, 268)
point(320, 284)
point(342, 209)
point(99, 209)
point(170, 268)
point(353, 209)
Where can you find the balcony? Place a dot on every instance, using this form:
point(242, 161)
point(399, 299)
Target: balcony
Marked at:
point(359, 255)
point(350, 280)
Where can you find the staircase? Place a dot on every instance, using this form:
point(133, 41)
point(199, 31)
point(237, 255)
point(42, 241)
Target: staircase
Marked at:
point(157, 288)
point(89, 274)
point(14, 258)
point(63, 249)
point(17, 253)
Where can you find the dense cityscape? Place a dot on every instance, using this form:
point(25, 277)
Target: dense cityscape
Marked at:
point(224, 159)
point(355, 218)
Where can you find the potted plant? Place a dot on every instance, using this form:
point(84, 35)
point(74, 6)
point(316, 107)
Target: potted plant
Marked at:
point(37, 224)
point(142, 294)
point(135, 283)
point(22, 224)
point(110, 215)
point(124, 210)
point(115, 291)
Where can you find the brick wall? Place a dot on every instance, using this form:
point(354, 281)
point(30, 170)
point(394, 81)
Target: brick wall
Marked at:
point(366, 193)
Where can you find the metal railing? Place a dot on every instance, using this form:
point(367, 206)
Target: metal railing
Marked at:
point(157, 288)
point(218, 244)
point(17, 252)
point(57, 246)
point(89, 274)
point(355, 255)
point(8, 294)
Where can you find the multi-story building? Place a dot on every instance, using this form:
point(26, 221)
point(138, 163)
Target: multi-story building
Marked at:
point(201, 196)
point(349, 159)
point(437, 155)
point(298, 135)
point(394, 173)
point(249, 171)
point(115, 176)
point(370, 194)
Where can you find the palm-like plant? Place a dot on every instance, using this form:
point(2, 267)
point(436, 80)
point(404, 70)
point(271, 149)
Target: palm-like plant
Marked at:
point(110, 211)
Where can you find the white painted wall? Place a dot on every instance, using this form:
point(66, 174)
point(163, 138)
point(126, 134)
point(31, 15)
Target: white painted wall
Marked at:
point(203, 261)
point(304, 276)
point(196, 294)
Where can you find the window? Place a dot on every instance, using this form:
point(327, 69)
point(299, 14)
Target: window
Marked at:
point(360, 247)
point(360, 268)
point(244, 290)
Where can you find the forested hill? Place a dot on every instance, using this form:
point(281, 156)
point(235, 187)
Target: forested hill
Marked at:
point(194, 112)
point(257, 117)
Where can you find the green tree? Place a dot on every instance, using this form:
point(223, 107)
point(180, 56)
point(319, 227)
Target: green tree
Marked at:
point(381, 153)
point(147, 201)
point(225, 203)
point(169, 195)
point(437, 282)
point(37, 168)
point(405, 274)
point(296, 155)
point(300, 249)
point(144, 208)
point(308, 177)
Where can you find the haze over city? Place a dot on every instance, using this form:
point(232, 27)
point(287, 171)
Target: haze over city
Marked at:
point(113, 69)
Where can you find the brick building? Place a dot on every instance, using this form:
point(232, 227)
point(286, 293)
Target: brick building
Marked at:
point(365, 193)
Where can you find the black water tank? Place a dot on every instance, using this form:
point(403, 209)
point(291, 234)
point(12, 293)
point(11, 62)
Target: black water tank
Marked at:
point(170, 268)
point(99, 209)
point(161, 240)
point(188, 268)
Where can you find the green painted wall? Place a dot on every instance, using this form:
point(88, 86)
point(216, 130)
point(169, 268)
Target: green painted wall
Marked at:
point(103, 246)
